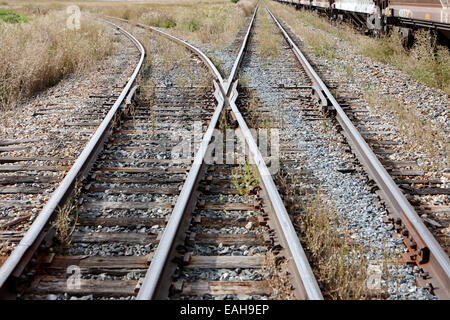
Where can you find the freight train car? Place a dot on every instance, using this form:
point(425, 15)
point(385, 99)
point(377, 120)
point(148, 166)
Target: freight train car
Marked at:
point(365, 13)
point(414, 14)
point(321, 4)
point(378, 16)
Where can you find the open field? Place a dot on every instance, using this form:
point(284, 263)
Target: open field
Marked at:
point(214, 21)
point(57, 51)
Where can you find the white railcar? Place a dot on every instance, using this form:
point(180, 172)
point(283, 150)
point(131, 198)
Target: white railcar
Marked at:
point(360, 6)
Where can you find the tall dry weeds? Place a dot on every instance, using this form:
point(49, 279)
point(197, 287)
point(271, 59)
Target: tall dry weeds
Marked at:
point(338, 264)
point(425, 62)
point(215, 22)
point(38, 54)
point(423, 136)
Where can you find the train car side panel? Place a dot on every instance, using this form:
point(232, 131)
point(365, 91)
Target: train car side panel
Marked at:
point(437, 11)
point(359, 6)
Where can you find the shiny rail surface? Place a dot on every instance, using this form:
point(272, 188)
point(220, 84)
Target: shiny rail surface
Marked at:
point(424, 249)
point(23, 253)
point(157, 280)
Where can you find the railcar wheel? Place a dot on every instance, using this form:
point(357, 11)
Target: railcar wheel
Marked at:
point(407, 37)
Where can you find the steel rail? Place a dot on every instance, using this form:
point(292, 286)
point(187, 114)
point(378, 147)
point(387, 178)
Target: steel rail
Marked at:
point(65, 188)
point(154, 275)
point(291, 241)
point(302, 269)
point(238, 61)
point(195, 50)
point(160, 258)
point(303, 272)
point(437, 261)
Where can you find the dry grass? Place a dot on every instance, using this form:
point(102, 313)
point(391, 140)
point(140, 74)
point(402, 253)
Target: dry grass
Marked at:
point(279, 279)
point(215, 22)
point(339, 264)
point(337, 260)
point(65, 224)
point(6, 248)
point(319, 43)
point(66, 219)
point(38, 54)
point(158, 19)
point(255, 118)
point(321, 46)
point(169, 57)
point(422, 62)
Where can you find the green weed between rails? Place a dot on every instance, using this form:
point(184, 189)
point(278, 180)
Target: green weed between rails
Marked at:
point(10, 16)
point(159, 19)
point(245, 179)
point(269, 41)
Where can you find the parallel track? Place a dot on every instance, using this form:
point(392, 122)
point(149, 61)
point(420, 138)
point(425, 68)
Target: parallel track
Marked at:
point(25, 252)
point(423, 248)
point(51, 278)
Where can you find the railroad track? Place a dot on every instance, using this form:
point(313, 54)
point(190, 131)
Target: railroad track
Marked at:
point(245, 242)
point(427, 194)
point(100, 275)
point(201, 238)
point(423, 249)
point(33, 162)
point(25, 254)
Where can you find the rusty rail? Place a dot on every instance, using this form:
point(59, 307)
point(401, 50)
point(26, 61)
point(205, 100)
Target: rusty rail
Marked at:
point(424, 250)
point(23, 253)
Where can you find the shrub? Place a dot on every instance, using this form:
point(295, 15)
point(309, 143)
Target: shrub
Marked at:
point(425, 62)
point(193, 25)
point(38, 54)
point(12, 17)
point(159, 19)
